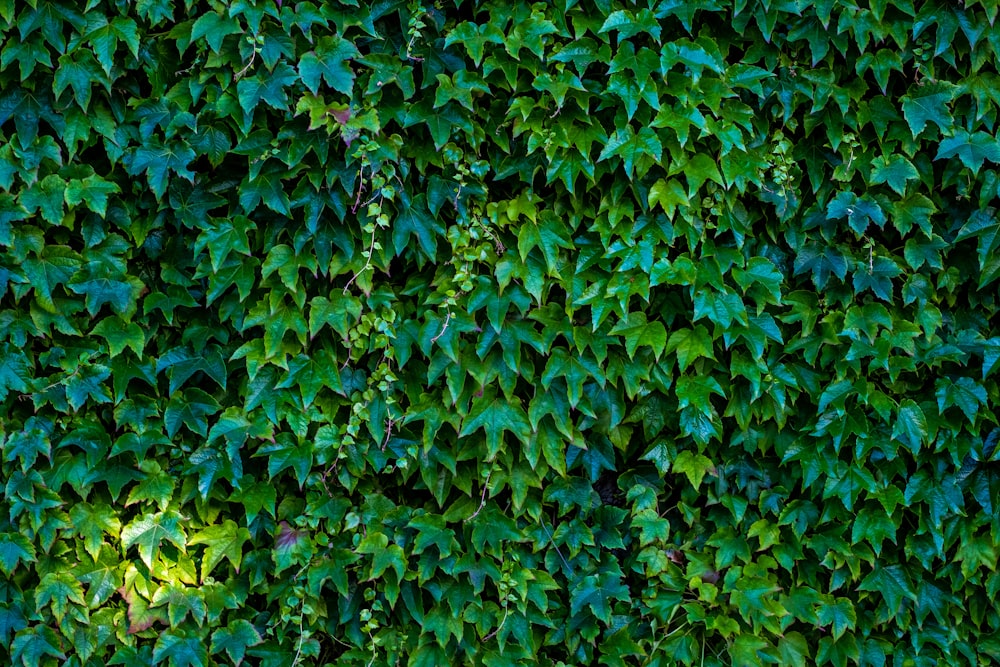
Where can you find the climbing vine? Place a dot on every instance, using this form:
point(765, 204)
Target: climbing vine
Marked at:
point(493, 333)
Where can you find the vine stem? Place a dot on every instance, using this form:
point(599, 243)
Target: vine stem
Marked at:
point(506, 611)
point(482, 501)
point(444, 327)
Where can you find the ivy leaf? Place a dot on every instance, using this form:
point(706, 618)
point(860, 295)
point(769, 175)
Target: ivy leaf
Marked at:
point(34, 643)
point(895, 170)
point(877, 277)
point(475, 38)
point(762, 271)
point(235, 639)
point(15, 371)
point(92, 191)
point(222, 541)
point(119, 335)
point(214, 27)
point(575, 369)
point(639, 332)
point(329, 61)
point(189, 408)
point(598, 591)
point(58, 591)
point(48, 196)
point(460, 87)
point(181, 363)
point(965, 393)
point(92, 522)
point(892, 582)
point(972, 149)
point(267, 87)
point(629, 24)
point(859, 211)
point(415, 220)
point(690, 345)
point(699, 169)
point(158, 160)
point(496, 414)
point(180, 649)
point(87, 383)
point(744, 651)
point(669, 195)
point(840, 614)
point(148, 532)
point(103, 577)
point(911, 425)
point(631, 147)
point(873, 525)
point(928, 103)
point(180, 601)
point(694, 466)
point(14, 548)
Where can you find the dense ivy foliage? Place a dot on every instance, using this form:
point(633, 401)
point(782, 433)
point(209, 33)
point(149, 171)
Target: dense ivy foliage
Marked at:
point(496, 333)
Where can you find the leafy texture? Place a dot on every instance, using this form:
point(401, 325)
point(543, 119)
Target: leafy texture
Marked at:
point(499, 333)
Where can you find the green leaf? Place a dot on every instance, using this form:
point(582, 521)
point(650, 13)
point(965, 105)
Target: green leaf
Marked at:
point(873, 525)
point(92, 191)
point(330, 62)
point(694, 466)
point(631, 147)
point(762, 271)
point(576, 369)
point(148, 532)
point(267, 87)
point(48, 196)
point(669, 194)
point(119, 335)
point(235, 639)
point(415, 220)
point(180, 601)
point(965, 393)
point(475, 38)
point(629, 24)
point(793, 649)
point(158, 160)
point(15, 371)
point(92, 523)
point(690, 345)
point(928, 103)
point(222, 541)
point(58, 591)
point(87, 382)
point(638, 332)
point(496, 414)
point(598, 591)
point(34, 643)
point(103, 577)
point(699, 169)
point(744, 651)
point(226, 236)
point(895, 170)
point(839, 614)
point(180, 649)
point(972, 149)
point(214, 27)
point(189, 408)
point(14, 548)
point(911, 425)
point(460, 87)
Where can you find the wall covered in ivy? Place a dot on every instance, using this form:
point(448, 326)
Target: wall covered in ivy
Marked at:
point(495, 333)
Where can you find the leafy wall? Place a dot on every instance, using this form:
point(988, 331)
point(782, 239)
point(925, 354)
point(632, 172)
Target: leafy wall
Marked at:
point(496, 333)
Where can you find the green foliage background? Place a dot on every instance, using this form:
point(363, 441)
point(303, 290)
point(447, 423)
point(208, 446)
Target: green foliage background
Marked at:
point(496, 333)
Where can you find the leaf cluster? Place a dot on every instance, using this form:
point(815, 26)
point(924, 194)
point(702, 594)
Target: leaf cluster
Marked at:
point(498, 333)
